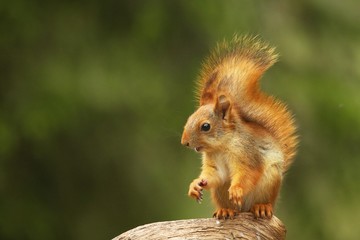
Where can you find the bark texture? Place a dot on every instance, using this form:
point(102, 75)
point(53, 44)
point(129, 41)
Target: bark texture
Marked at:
point(244, 226)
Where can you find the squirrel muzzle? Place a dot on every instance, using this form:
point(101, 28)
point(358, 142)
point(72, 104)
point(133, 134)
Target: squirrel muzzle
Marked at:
point(185, 140)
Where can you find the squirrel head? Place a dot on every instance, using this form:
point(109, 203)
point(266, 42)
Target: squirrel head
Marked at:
point(206, 129)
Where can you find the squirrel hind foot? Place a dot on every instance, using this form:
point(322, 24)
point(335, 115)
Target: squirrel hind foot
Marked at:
point(225, 213)
point(262, 210)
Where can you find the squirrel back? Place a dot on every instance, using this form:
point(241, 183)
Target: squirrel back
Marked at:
point(234, 70)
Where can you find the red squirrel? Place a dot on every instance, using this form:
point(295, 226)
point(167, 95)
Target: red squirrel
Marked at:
point(247, 138)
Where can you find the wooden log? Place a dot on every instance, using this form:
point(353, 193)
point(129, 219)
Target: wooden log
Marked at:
point(243, 226)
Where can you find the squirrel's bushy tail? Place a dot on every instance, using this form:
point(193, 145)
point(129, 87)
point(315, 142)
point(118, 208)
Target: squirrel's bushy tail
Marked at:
point(234, 68)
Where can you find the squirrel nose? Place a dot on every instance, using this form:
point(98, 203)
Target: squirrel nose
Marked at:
point(185, 140)
point(185, 143)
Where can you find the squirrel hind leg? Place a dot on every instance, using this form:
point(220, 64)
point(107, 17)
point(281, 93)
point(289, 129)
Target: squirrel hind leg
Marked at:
point(263, 206)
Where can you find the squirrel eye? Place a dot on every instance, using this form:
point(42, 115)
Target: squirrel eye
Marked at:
point(205, 127)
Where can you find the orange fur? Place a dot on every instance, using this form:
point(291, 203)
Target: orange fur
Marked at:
point(246, 137)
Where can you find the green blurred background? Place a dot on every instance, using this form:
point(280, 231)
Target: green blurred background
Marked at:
point(94, 96)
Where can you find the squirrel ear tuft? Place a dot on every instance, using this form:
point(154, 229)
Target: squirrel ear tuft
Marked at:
point(223, 107)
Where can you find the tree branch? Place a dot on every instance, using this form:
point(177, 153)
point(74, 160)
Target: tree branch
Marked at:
point(244, 226)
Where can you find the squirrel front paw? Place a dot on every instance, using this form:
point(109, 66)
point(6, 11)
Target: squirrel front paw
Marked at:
point(235, 195)
point(196, 188)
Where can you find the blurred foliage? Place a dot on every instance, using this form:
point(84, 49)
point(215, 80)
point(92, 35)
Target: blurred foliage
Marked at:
point(94, 95)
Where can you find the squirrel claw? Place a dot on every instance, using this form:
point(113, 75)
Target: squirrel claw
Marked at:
point(225, 213)
point(200, 198)
point(262, 210)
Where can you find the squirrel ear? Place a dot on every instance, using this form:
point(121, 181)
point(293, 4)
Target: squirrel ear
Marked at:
point(223, 107)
